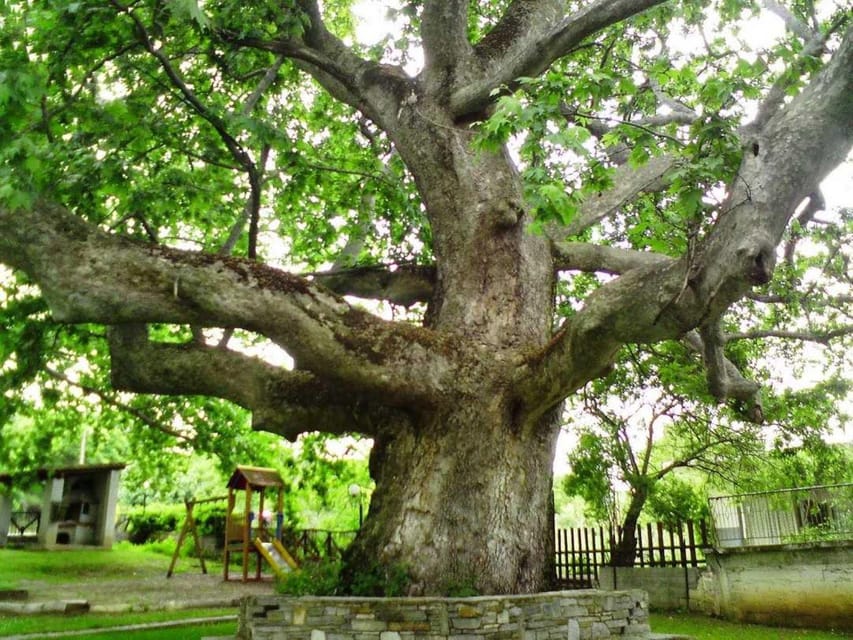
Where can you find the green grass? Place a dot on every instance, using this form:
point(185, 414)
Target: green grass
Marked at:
point(704, 628)
point(13, 625)
point(59, 566)
point(194, 632)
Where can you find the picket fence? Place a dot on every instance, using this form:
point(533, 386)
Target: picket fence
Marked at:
point(582, 551)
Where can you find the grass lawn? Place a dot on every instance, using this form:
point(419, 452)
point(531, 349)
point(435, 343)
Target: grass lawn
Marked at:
point(704, 628)
point(177, 633)
point(60, 566)
point(14, 625)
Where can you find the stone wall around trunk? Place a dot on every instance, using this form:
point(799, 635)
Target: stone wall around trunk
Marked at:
point(560, 615)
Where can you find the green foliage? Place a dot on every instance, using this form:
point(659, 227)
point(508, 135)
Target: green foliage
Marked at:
point(312, 578)
point(323, 577)
point(380, 581)
point(153, 522)
point(465, 589)
point(590, 476)
point(813, 463)
point(319, 482)
point(674, 500)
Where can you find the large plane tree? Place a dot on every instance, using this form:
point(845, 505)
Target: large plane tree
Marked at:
point(541, 183)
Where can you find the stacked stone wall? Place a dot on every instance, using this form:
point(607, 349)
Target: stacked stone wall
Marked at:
point(564, 615)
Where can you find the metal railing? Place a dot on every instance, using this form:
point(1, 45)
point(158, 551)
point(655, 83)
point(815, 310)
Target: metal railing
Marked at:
point(785, 516)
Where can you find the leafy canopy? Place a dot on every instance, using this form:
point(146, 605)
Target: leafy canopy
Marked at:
point(152, 123)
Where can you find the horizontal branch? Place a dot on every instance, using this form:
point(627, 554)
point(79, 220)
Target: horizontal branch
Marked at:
point(820, 337)
point(284, 402)
point(86, 275)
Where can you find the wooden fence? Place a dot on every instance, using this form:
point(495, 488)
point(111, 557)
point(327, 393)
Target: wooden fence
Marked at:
point(313, 544)
point(582, 551)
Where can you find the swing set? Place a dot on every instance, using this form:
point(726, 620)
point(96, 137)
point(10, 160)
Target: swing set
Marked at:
point(246, 533)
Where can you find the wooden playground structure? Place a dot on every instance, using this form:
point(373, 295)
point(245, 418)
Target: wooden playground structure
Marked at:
point(247, 532)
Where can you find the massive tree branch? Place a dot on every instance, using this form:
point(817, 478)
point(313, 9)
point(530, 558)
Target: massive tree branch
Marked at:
point(88, 276)
point(529, 37)
point(281, 401)
point(444, 34)
point(796, 149)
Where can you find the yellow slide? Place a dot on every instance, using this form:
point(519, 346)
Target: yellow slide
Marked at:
point(277, 556)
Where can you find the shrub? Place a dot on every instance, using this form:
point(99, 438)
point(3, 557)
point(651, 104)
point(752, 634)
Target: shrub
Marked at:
point(380, 581)
point(313, 578)
point(153, 522)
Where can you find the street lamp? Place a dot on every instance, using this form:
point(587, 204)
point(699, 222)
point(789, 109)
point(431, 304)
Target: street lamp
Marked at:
point(355, 493)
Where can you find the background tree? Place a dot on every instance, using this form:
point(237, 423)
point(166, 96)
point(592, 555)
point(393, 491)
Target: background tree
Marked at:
point(650, 421)
point(166, 159)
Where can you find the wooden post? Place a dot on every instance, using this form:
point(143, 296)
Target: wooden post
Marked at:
point(189, 525)
point(228, 520)
point(262, 531)
point(247, 526)
point(279, 515)
point(682, 547)
point(691, 537)
point(181, 536)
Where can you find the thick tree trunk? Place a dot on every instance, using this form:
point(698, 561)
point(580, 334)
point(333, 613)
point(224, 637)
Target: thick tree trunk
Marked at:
point(463, 493)
point(461, 503)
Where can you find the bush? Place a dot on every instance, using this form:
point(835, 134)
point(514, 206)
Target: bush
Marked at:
point(379, 581)
point(323, 577)
point(156, 522)
point(313, 578)
point(153, 522)
point(210, 519)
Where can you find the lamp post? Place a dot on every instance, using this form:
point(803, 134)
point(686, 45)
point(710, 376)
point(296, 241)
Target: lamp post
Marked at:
point(355, 493)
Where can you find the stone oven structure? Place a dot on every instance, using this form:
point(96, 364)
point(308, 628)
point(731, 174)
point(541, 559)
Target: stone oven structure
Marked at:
point(78, 506)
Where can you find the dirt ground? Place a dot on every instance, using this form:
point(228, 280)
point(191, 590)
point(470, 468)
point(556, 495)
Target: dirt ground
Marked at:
point(146, 590)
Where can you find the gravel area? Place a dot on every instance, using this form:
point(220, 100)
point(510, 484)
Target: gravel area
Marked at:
point(144, 591)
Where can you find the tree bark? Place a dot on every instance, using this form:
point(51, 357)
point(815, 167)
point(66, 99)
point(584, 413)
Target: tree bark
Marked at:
point(461, 502)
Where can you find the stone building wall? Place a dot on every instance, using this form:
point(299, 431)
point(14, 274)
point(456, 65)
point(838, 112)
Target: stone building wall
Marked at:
point(563, 615)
